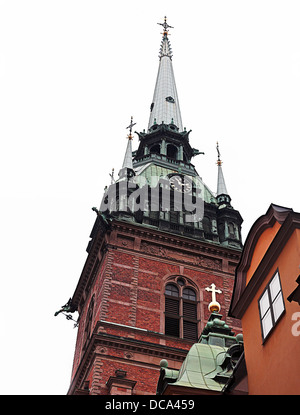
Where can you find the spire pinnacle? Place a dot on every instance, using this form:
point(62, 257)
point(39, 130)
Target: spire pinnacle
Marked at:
point(165, 47)
point(165, 104)
point(130, 129)
point(219, 162)
point(127, 162)
point(221, 189)
point(166, 26)
point(222, 193)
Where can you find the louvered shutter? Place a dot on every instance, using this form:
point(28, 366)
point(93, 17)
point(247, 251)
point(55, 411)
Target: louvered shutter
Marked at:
point(190, 330)
point(172, 306)
point(172, 316)
point(190, 310)
point(172, 326)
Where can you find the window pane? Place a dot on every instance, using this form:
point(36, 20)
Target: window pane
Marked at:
point(274, 286)
point(171, 290)
point(264, 303)
point(189, 294)
point(278, 307)
point(267, 323)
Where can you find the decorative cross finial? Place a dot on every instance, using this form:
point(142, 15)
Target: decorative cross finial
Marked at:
point(112, 179)
point(130, 129)
point(219, 162)
point(166, 26)
point(213, 306)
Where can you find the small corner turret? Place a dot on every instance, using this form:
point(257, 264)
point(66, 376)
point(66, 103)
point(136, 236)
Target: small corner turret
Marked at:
point(127, 170)
point(229, 220)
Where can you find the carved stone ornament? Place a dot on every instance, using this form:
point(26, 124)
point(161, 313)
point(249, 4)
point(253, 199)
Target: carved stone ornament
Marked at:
point(197, 260)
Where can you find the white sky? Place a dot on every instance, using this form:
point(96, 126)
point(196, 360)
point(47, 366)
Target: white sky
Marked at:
point(71, 75)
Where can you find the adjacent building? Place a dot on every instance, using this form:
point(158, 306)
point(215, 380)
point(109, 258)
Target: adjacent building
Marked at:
point(266, 299)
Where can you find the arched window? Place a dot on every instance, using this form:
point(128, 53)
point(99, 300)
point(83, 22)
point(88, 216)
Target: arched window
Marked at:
point(231, 230)
point(172, 151)
point(88, 323)
point(181, 310)
point(172, 290)
point(155, 149)
point(189, 294)
point(206, 224)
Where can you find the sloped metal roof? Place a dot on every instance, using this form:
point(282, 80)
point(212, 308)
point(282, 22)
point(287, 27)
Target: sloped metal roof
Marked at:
point(165, 103)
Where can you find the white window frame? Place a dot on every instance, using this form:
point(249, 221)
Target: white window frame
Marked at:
point(271, 305)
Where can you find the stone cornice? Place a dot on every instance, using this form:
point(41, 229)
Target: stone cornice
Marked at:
point(174, 240)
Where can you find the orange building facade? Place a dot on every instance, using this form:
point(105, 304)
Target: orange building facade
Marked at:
point(265, 301)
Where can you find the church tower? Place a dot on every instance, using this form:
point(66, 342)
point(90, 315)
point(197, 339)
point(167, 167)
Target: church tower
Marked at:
point(161, 238)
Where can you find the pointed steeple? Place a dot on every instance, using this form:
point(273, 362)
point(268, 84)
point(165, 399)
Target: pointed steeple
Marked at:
point(221, 189)
point(127, 167)
point(165, 105)
point(229, 220)
point(127, 162)
point(222, 193)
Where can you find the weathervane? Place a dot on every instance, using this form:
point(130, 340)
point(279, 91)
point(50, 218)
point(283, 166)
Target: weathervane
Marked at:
point(213, 306)
point(165, 26)
point(130, 129)
point(219, 162)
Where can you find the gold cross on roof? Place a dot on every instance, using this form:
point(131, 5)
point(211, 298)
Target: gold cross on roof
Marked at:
point(213, 305)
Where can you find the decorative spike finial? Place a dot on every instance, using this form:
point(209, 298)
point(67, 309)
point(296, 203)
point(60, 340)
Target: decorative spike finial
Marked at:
point(221, 188)
point(219, 162)
point(130, 128)
point(166, 26)
point(112, 178)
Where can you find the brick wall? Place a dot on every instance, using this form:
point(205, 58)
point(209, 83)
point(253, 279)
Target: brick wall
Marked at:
point(128, 291)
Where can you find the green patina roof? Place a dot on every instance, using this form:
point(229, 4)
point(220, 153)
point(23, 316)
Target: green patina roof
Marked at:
point(171, 374)
point(152, 172)
point(209, 363)
point(200, 366)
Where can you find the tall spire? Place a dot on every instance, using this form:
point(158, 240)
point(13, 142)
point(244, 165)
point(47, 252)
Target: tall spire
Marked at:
point(222, 193)
point(165, 105)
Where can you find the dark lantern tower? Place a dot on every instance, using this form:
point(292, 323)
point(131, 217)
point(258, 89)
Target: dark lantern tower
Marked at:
point(157, 243)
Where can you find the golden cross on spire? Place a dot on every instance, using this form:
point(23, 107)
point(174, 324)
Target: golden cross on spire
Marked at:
point(165, 26)
point(130, 128)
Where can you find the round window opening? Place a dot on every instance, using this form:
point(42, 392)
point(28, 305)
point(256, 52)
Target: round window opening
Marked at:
point(180, 281)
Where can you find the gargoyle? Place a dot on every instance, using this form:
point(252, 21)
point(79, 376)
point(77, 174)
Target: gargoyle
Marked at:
point(67, 308)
